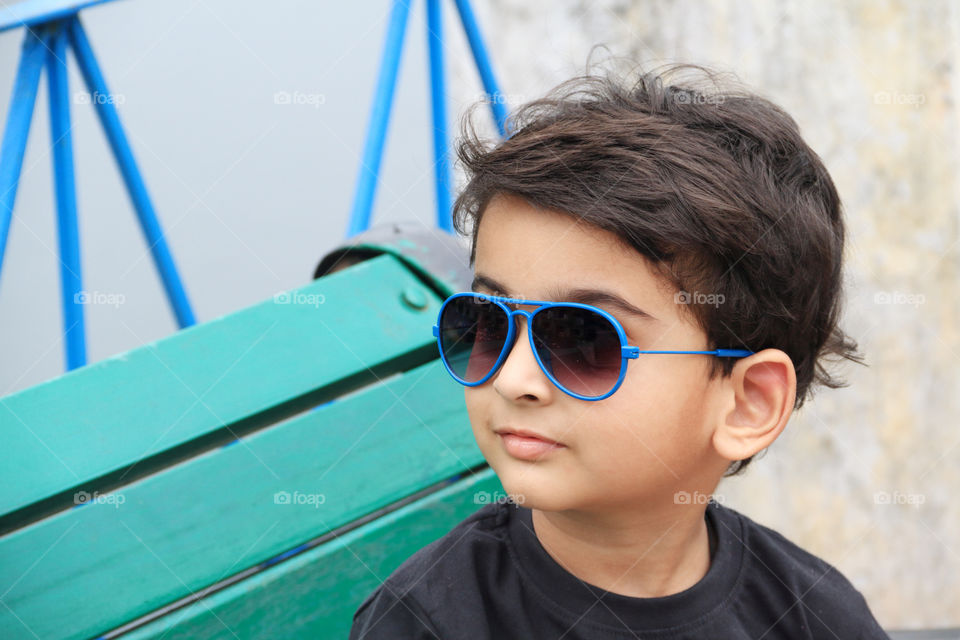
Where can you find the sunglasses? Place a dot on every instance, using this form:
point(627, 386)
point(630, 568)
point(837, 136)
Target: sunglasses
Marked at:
point(582, 349)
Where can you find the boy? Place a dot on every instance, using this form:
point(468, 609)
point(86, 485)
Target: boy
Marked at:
point(694, 242)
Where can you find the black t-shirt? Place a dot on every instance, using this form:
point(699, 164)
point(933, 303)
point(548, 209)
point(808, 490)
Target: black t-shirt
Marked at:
point(491, 578)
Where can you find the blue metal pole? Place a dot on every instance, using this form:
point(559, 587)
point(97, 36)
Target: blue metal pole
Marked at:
point(439, 105)
point(498, 103)
point(380, 115)
point(70, 281)
point(18, 128)
point(136, 188)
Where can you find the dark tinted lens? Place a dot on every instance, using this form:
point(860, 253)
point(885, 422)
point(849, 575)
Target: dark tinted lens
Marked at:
point(472, 334)
point(580, 348)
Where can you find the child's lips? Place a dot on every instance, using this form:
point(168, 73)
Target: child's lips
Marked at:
point(527, 445)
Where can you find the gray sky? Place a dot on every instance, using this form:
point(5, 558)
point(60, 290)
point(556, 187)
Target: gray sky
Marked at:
point(250, 193)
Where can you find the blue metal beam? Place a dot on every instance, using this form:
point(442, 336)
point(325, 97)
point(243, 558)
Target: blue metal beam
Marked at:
point(29, 13)
point(379, 117)
point(498, 103)
point(110, 120)
point(438, 101)
point(71, 284)
point(17, 129)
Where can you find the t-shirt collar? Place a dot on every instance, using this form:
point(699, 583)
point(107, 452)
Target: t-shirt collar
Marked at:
point(580, 598)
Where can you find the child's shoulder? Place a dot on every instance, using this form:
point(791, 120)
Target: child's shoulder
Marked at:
point(489, 575)
point(767, 546)
point(774, 564)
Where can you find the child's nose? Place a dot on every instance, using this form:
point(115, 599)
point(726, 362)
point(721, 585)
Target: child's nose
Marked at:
point(520, 377)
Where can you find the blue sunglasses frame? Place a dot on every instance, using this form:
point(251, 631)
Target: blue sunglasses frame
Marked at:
point(627, 352)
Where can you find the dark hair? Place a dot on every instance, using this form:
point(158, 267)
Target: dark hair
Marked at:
point(712, 184)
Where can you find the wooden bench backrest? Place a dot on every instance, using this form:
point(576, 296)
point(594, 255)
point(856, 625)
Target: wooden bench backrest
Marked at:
point(259, 473)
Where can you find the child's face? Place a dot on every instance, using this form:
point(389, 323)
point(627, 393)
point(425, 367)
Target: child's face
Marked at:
point(647, 440)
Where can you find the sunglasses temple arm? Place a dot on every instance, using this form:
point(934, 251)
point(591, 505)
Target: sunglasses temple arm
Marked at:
point(633, 352)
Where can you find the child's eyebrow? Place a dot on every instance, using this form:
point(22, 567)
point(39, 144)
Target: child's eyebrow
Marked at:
point(489, 284)
point(601, 297)
point(581, 295)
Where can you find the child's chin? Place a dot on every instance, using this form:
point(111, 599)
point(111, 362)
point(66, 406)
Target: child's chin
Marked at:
point(530, 494)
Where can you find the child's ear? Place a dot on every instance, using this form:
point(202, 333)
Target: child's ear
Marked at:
point(758, 401)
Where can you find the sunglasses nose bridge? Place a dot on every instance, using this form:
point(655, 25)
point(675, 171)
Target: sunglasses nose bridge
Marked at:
point(515, 329)
point(519, 312)
point(521, 329)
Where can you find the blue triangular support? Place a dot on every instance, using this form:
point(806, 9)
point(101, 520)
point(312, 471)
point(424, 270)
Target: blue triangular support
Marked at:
point(383, 100)
point(52, 27)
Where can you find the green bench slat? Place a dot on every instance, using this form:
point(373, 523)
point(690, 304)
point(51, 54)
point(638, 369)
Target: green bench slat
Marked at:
point(95, 567)
point(315, 594)
point(243, 370)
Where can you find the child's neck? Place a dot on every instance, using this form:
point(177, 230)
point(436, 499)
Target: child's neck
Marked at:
point(642, 555)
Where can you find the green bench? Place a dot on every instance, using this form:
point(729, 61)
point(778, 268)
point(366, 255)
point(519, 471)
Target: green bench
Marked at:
point(253, 476)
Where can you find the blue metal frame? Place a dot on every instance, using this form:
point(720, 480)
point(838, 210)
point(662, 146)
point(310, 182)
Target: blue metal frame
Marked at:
point(498, 102)
point(32, 59)
point(439, 108)
point(627, 352)
point(52, 27)
point(29, 13)
point(136, 188)
point(379, 117)
point(383, 101)
point(71, 284)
